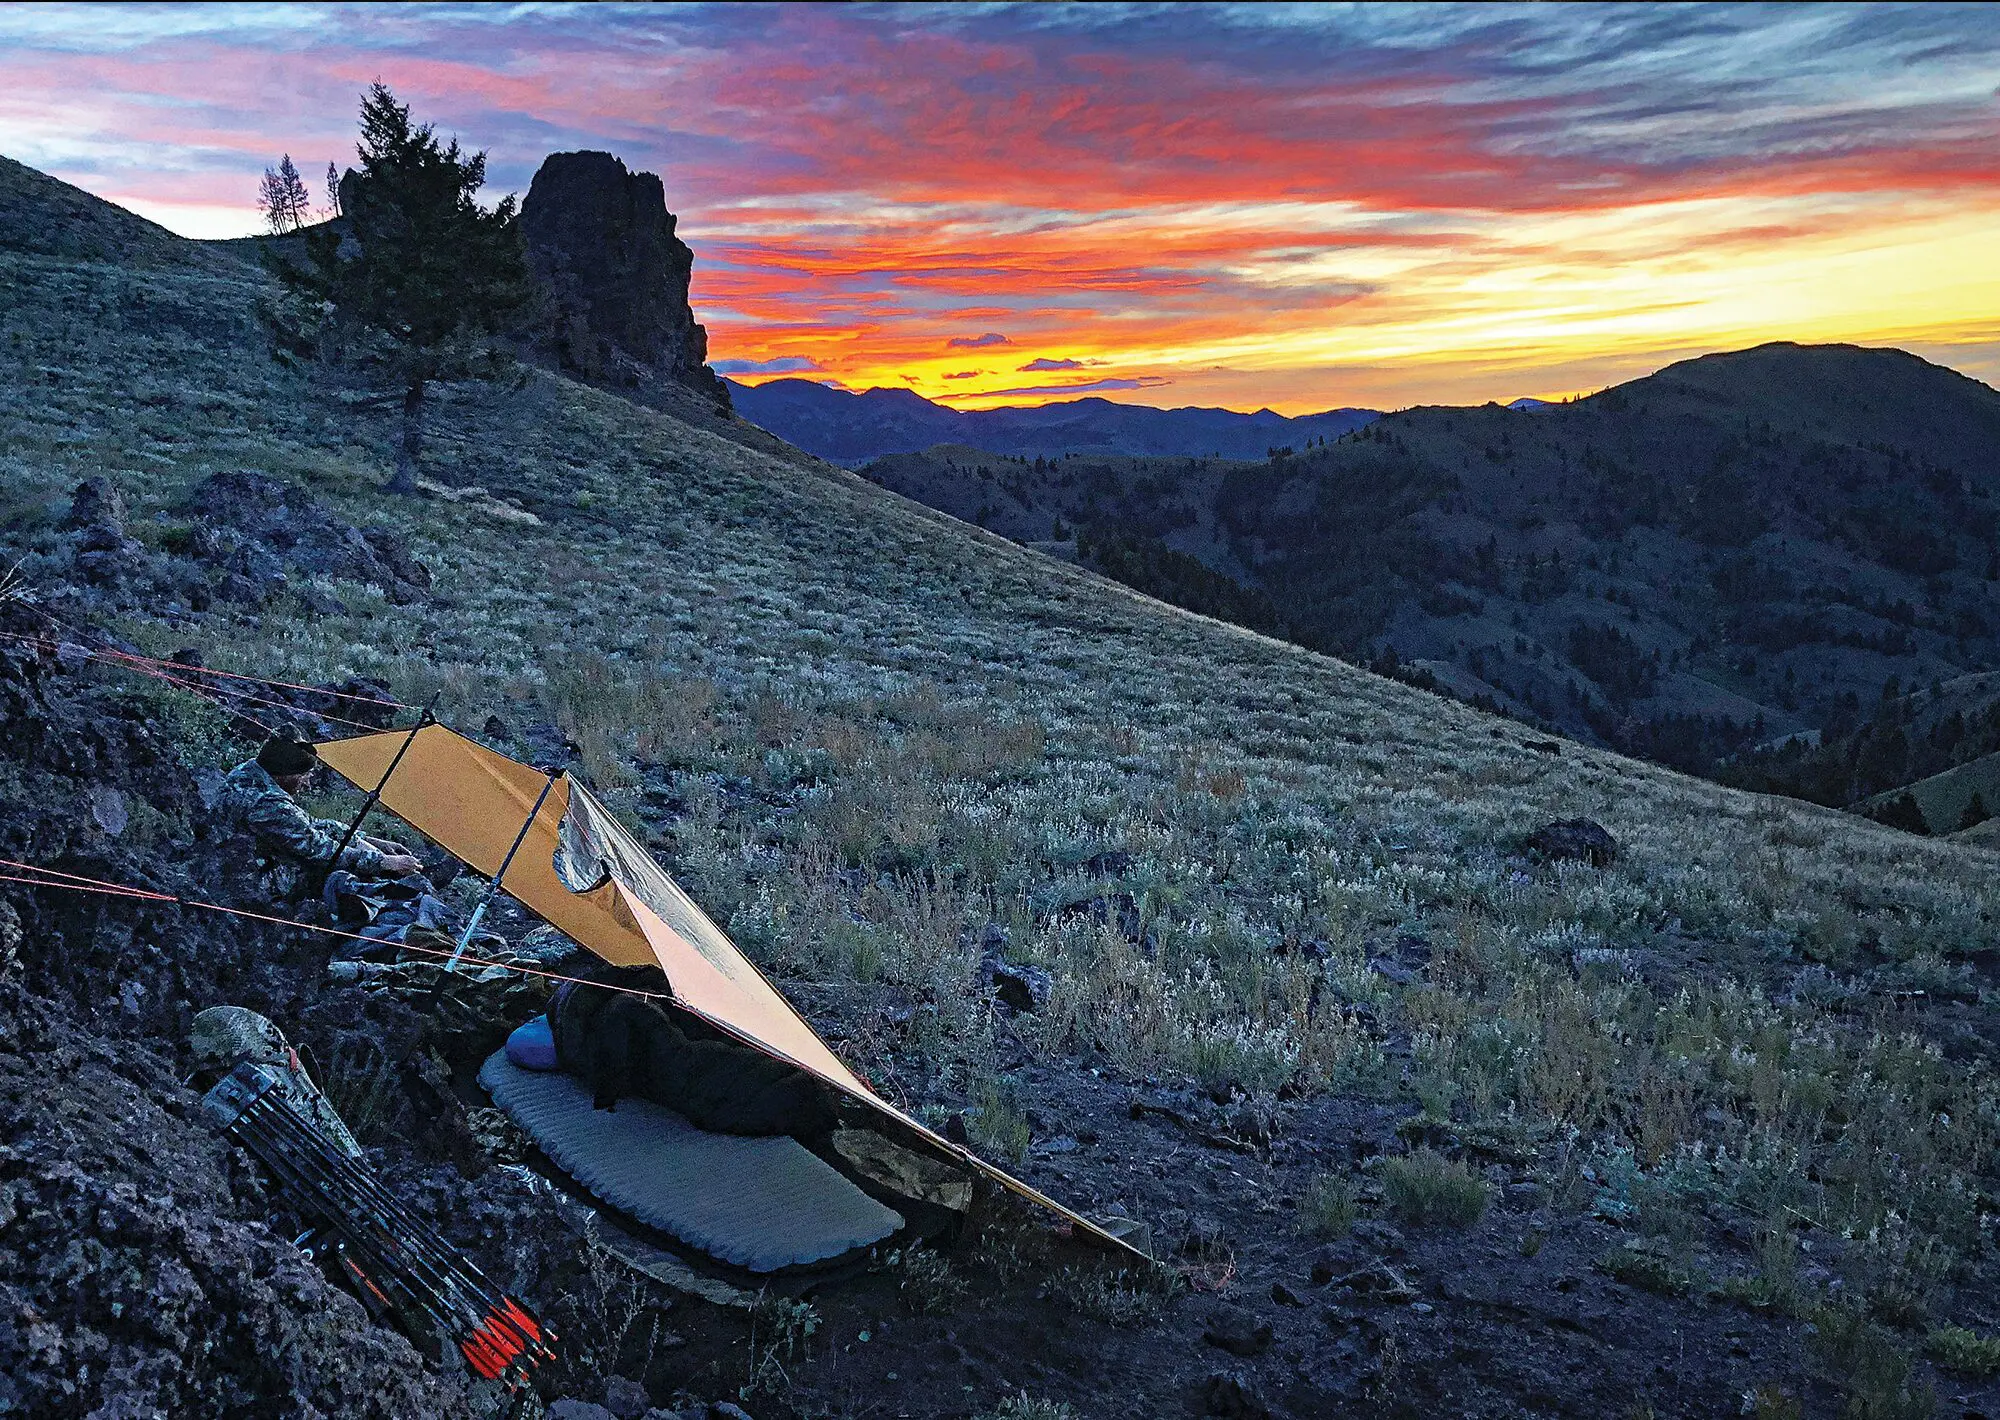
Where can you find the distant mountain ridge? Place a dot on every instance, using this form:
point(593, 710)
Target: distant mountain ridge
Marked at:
point(1738, 547)
point(853, 429)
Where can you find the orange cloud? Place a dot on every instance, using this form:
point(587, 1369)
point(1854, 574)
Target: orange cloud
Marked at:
point(1243, 206)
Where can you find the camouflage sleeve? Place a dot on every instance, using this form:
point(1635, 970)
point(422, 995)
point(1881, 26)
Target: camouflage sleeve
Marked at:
point(281, 824)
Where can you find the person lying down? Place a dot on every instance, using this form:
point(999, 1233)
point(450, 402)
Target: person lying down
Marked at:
point(626, 1046)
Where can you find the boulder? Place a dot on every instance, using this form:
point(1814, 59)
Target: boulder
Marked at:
point(600, 242)
point(1579, 840)
point(96, 502)
point(1237, 1331)
point(253, 527)
point(1019, 987)
point(1229, 1396)
point(626, 1398)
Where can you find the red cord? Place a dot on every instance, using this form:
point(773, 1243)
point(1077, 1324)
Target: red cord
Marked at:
point(208, 670)
point(100, 886)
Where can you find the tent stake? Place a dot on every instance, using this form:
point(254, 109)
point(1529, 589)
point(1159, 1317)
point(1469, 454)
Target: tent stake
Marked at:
point(493, 887)
point(375, 794)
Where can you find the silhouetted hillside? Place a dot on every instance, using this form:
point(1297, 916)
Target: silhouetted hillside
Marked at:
point(852, 429)
point(1737, 549)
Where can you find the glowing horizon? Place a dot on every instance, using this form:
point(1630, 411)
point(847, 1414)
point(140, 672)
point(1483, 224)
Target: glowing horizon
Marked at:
point(1287, 207)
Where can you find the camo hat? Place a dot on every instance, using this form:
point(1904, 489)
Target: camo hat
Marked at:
point(227, 1035)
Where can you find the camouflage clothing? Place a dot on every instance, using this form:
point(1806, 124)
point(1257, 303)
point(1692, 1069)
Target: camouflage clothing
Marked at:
point(284, 830)
point(475, 1006)
point(223, 1037)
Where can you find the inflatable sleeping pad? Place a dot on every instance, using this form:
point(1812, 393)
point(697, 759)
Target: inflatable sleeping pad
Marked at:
point(761, 1204)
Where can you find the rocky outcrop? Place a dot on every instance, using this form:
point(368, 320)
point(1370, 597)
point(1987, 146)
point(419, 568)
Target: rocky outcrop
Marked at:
point(601, 243)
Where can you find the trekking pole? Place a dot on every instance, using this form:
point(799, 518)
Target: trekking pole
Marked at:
point(375, 794)
point(493, 887)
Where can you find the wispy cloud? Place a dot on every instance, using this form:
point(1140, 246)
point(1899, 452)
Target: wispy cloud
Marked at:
point(1295, 206)
point(782, 365)
point(1045, 363)
point(1080, 387)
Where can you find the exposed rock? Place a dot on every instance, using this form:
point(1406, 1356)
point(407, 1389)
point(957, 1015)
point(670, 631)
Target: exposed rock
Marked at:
point(568, 1409)
point(96, 503)
point(1020, 988)
point(601, 242)
point(1575, 839)
point(254, 527)
point(626, 1398)
point(1379, 1282)
point(1237, 1331)
point(1378, 1236)
point(1230, 1397)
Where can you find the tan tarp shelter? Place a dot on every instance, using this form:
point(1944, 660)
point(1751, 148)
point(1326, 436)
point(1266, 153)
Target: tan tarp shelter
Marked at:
point(579, 870)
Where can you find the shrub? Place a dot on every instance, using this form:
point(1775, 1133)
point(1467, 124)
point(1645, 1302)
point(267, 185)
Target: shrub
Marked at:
point(1425, 1188)
point(1966, 1352)
point(999, 1127)
point(1327, 1208)
point(926, 1281)
point(1117, 1298)
point(1020, 1407)
point(1869, 1367)
point(1648, 1271)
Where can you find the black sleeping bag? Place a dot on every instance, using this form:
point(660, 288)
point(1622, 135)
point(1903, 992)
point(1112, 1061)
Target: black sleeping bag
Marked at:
point(622, 1045)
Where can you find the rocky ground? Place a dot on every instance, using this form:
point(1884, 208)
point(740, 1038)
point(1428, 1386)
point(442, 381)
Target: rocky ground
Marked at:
point(143, 1271)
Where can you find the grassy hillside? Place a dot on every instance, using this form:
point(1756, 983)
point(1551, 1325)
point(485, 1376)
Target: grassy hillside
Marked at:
point(1738, 548)
point(1742, 1077)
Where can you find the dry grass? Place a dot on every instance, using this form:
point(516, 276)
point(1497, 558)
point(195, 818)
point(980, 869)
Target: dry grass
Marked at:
point(861, 731)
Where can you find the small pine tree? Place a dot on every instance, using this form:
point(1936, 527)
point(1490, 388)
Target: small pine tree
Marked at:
point(1975, 812)
point(421, 265)
point(1903, 812)
point(332, 190)
point(284, 198)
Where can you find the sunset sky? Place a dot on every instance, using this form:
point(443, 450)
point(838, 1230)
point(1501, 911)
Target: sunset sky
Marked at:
point(1298, 207)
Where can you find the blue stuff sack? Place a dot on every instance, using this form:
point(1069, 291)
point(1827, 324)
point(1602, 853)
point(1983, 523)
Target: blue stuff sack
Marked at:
point(532, 1046)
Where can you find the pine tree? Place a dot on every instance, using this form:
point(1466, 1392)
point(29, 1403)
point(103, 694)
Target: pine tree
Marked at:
point(421, 265)
point(284, 198)
point(332, 190)
point(1975, 812)
point(1902, 812)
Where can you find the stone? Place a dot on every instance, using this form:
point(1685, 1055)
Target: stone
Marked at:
point(600, 241)
point(626, 1398)
point(1230, 1397)
point(568, 1409)
point(727, 1410)
point(1378, 1236)
point(1285, 1297)
point(255, 526)
point(107, 809)
point(1380, 1282)
point(96, 502)
point(1237, 1331)
point(1528, 1195)
point(1578, 840)
point(1022, 989)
